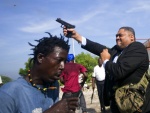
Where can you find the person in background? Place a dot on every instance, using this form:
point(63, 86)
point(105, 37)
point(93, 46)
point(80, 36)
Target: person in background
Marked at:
point(98, 77)
point(38, 91)
point(124, 63)
point(70, 79)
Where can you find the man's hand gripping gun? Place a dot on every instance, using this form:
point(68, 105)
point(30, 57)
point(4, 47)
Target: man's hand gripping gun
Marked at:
point(67, 25)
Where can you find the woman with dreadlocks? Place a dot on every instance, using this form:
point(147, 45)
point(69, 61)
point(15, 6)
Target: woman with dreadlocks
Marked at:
point(38, 91)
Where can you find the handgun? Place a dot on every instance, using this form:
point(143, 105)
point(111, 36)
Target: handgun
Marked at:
point(66, 24)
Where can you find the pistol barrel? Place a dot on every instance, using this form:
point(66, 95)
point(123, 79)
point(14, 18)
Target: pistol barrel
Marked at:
point(65, 23)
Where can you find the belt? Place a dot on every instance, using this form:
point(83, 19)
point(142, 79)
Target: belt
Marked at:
point(100, 81)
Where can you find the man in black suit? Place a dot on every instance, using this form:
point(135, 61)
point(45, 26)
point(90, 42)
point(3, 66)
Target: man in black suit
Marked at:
point(124, 63)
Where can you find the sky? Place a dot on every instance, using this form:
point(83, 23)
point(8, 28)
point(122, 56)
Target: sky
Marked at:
point(23, 21)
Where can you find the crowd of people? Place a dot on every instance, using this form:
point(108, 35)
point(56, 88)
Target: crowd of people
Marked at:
point(38, 91)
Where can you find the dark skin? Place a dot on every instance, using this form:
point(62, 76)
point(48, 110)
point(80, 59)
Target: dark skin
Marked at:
point(48, 69)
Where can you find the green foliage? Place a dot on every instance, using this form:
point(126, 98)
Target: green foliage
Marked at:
point(60, 83)
point(88, 61)
point(5, 79)
point(24, 72)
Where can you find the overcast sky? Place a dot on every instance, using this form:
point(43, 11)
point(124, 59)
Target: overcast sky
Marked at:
point(23, 21)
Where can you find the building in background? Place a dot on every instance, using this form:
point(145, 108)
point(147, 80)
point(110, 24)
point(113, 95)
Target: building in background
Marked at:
point(147, 45)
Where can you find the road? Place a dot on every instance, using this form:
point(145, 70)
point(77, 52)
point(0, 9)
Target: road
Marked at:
point(95, 106)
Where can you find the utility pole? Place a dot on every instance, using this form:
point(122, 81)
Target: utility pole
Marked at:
point(1, 83)
point(73, 47)
point(147, 45)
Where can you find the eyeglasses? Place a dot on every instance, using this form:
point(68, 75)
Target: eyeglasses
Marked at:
point(120, 35)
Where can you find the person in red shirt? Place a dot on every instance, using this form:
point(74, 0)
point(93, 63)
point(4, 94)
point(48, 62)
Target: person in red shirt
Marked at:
point(70, 79)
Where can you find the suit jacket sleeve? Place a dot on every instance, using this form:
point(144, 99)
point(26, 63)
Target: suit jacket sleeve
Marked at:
point(93, 47)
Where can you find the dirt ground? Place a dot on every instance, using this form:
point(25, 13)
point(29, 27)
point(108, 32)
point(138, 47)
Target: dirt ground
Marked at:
point(95, 106)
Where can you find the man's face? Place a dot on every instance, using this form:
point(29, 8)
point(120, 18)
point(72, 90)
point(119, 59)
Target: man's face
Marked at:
point(100, 62)
point(53, 64)
point(124, 38)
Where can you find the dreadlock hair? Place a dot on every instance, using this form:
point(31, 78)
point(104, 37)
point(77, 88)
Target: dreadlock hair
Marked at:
point(46, 45)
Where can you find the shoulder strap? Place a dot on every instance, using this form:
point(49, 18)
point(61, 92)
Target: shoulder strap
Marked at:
point(143, 82)
point(148, 74)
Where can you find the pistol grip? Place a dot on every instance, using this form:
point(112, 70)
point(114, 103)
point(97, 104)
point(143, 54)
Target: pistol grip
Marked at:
point(69, 34)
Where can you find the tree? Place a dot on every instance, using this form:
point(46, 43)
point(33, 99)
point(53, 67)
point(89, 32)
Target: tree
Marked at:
point(5, 79)
point(24, 72)
point(88, 61)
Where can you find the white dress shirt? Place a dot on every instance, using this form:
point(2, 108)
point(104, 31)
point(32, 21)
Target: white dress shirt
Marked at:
point(99, 73)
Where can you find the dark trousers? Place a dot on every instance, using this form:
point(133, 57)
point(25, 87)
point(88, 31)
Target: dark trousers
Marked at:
point(113, 106)
point(79, 94)
point(100, 89)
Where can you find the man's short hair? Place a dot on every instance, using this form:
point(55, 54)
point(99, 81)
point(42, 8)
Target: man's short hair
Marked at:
point(130, 29)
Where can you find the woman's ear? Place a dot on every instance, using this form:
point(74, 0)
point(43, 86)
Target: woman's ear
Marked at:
point(40, 58)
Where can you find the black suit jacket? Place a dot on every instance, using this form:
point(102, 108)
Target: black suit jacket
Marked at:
point(132, 63)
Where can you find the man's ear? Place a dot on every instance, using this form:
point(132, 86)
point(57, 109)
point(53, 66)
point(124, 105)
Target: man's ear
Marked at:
point(132, 38)
point(40, 58)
